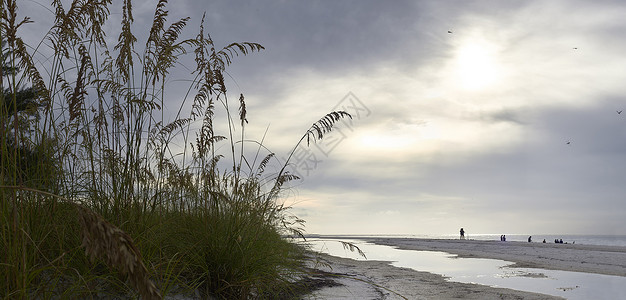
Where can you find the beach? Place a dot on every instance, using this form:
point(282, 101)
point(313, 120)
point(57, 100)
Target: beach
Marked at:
point(365, 279)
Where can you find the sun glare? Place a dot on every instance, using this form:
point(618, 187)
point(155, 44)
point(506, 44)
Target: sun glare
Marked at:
point(476, 67)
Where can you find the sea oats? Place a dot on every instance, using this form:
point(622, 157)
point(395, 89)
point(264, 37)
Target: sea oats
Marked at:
point(104, 240)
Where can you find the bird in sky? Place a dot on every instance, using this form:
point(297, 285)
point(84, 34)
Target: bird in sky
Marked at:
point(618, 112)
point(449, 31)
point(568, 143)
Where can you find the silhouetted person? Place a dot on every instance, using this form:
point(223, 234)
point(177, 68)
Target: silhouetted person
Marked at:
point(544, 241)
point(530, 239)
point(462, 234)
point(560, 241)
point(504, 238)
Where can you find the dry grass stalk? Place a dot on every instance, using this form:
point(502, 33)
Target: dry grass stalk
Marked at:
point(104, 240)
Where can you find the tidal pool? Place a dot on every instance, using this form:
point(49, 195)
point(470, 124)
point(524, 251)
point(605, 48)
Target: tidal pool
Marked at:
point(490, 272)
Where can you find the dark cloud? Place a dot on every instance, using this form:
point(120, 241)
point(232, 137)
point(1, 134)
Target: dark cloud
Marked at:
point(316, 33)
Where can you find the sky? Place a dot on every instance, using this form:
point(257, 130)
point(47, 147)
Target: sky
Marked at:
point(495, 116)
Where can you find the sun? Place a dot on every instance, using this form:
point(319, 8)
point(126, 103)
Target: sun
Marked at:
point(476, 67)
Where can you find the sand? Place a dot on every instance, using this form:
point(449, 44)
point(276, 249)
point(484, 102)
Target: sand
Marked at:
point(380, 280)
point(608, 260)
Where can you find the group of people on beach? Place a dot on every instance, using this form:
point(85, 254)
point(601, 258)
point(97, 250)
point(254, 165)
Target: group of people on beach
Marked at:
point(503, 238)
point(560, 241)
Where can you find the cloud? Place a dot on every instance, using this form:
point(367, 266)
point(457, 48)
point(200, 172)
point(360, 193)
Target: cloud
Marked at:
point(467, 129)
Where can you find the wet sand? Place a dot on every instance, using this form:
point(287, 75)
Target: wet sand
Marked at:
point(608, 260)
point(380, 280)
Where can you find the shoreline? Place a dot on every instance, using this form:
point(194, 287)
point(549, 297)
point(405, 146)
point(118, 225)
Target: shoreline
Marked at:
point(372, 279)
point(606, 260)
point(381, 280)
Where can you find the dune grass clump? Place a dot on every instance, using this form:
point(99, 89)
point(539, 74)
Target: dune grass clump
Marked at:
point(104, 192)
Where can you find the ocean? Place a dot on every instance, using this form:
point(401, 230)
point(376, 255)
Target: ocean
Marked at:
point(606, 240)
point(603, 240)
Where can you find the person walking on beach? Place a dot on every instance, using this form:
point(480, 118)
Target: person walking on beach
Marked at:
point(530, 239)
point(462, 234)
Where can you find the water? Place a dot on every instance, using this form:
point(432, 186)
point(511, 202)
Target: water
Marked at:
point(601, 240)
point(491, 272)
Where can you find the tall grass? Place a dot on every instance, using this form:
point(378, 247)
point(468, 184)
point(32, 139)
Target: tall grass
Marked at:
point(105, 192)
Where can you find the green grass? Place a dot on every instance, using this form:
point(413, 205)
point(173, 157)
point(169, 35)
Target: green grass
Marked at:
point(98, 197)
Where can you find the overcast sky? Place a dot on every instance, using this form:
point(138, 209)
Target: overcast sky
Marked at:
point(495, 116)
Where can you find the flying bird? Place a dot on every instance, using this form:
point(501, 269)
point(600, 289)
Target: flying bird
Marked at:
point(618, 112)
point(449, 31)
point(568, 143)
